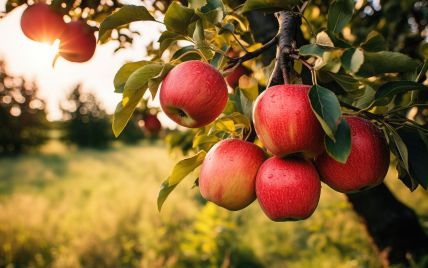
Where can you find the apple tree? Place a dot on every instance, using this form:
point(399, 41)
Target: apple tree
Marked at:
point(351, 75)
point(313, 90)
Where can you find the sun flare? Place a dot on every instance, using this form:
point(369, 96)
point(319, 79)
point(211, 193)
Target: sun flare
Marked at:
point(43, 53)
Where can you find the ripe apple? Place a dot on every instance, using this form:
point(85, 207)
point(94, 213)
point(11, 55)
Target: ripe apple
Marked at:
point(41, 23)
point(288, 189)
point(233, 78)
point(193, 94)
point(228, 173)
point(285, 122)
point(78, 42)
point(152, 124)
point(367, 163)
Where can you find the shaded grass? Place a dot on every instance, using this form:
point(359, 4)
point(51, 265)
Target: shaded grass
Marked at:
point(69, 208)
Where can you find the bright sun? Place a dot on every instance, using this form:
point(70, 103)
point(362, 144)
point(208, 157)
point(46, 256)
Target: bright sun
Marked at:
point(43, 53)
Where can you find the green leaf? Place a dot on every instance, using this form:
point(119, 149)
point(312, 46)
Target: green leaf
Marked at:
point(376, 63)
point(418, 154)
point(339, 14)
point(134, 90)
point(311, 50)
point(366, 100)
point(179, 172)
point(205, 141)
point(178, 17)
point(212, 13)
point(348, 83)
point(123, 16)
point(399, 145)
point(124, 72)
point(397, 87)
point(155, 81)
point(374, 42)
point(228, 28)
point(269, 5)
point(340, 149)
point(352, 59)
point(186, 53)
point(326, 107)
point(201, 43)
point(168, 38)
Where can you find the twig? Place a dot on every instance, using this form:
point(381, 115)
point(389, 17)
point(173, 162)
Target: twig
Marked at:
point(239, 43)
point(251, 55)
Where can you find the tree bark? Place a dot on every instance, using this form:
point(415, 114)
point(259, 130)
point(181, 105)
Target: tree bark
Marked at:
point(394, 227)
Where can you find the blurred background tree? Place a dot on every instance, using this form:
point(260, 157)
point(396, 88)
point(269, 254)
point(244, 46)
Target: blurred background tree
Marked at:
point(23, 123)
point(86, 123)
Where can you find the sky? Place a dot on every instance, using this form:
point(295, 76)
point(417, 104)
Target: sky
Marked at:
point(33, 61)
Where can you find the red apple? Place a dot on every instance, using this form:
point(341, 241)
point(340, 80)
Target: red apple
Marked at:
point(285, 122)
point(228, 174)
point(78, 42)
point(152, 124)
point(193, 94)
point(41, 23)
point(288, 189)
point(367, 163)
point(233, 78)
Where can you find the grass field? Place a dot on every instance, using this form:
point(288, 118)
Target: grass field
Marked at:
point(83, 208)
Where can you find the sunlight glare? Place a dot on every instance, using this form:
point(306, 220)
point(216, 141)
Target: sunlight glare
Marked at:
point(43, 54)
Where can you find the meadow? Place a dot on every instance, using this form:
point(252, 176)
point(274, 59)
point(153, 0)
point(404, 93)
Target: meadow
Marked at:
point(65, 207)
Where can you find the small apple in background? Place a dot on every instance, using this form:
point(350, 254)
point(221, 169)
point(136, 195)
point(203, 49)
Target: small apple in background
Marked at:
point(285, 122)
point(193, 94)
point(152, 124)
point(78, 42)
point(228, 173)
point(288, 189)
point(233, 78)
point(367, 163)
point(41, 23)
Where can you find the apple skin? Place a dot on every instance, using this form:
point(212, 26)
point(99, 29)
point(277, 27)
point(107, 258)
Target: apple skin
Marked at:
point(39, 22)
point(285, 122)
point(193, 94)
point(288, 189)
point(78, 42)
point(367, 163)
point(233, 78)
point(228, 173)
point(152, 124)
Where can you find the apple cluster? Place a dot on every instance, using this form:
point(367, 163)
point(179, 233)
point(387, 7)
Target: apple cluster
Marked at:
point(41, 23)
point(287, 185)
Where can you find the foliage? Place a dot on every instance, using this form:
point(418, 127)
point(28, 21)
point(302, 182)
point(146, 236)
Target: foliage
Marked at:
point(351, 74)
point(86, 123)
point(23, 120)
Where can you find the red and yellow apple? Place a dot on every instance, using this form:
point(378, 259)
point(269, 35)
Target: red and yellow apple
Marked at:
point(367, 163)
point(288, 189)
point(41, 23)
point(193, 94)
point(285, 122)
point(228, 173)
point(78, 42)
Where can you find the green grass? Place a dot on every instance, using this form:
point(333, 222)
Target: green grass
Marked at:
point(84, 208)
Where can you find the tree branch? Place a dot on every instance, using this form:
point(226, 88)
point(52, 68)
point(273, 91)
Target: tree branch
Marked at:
point(289, 28)
point(251, 55)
